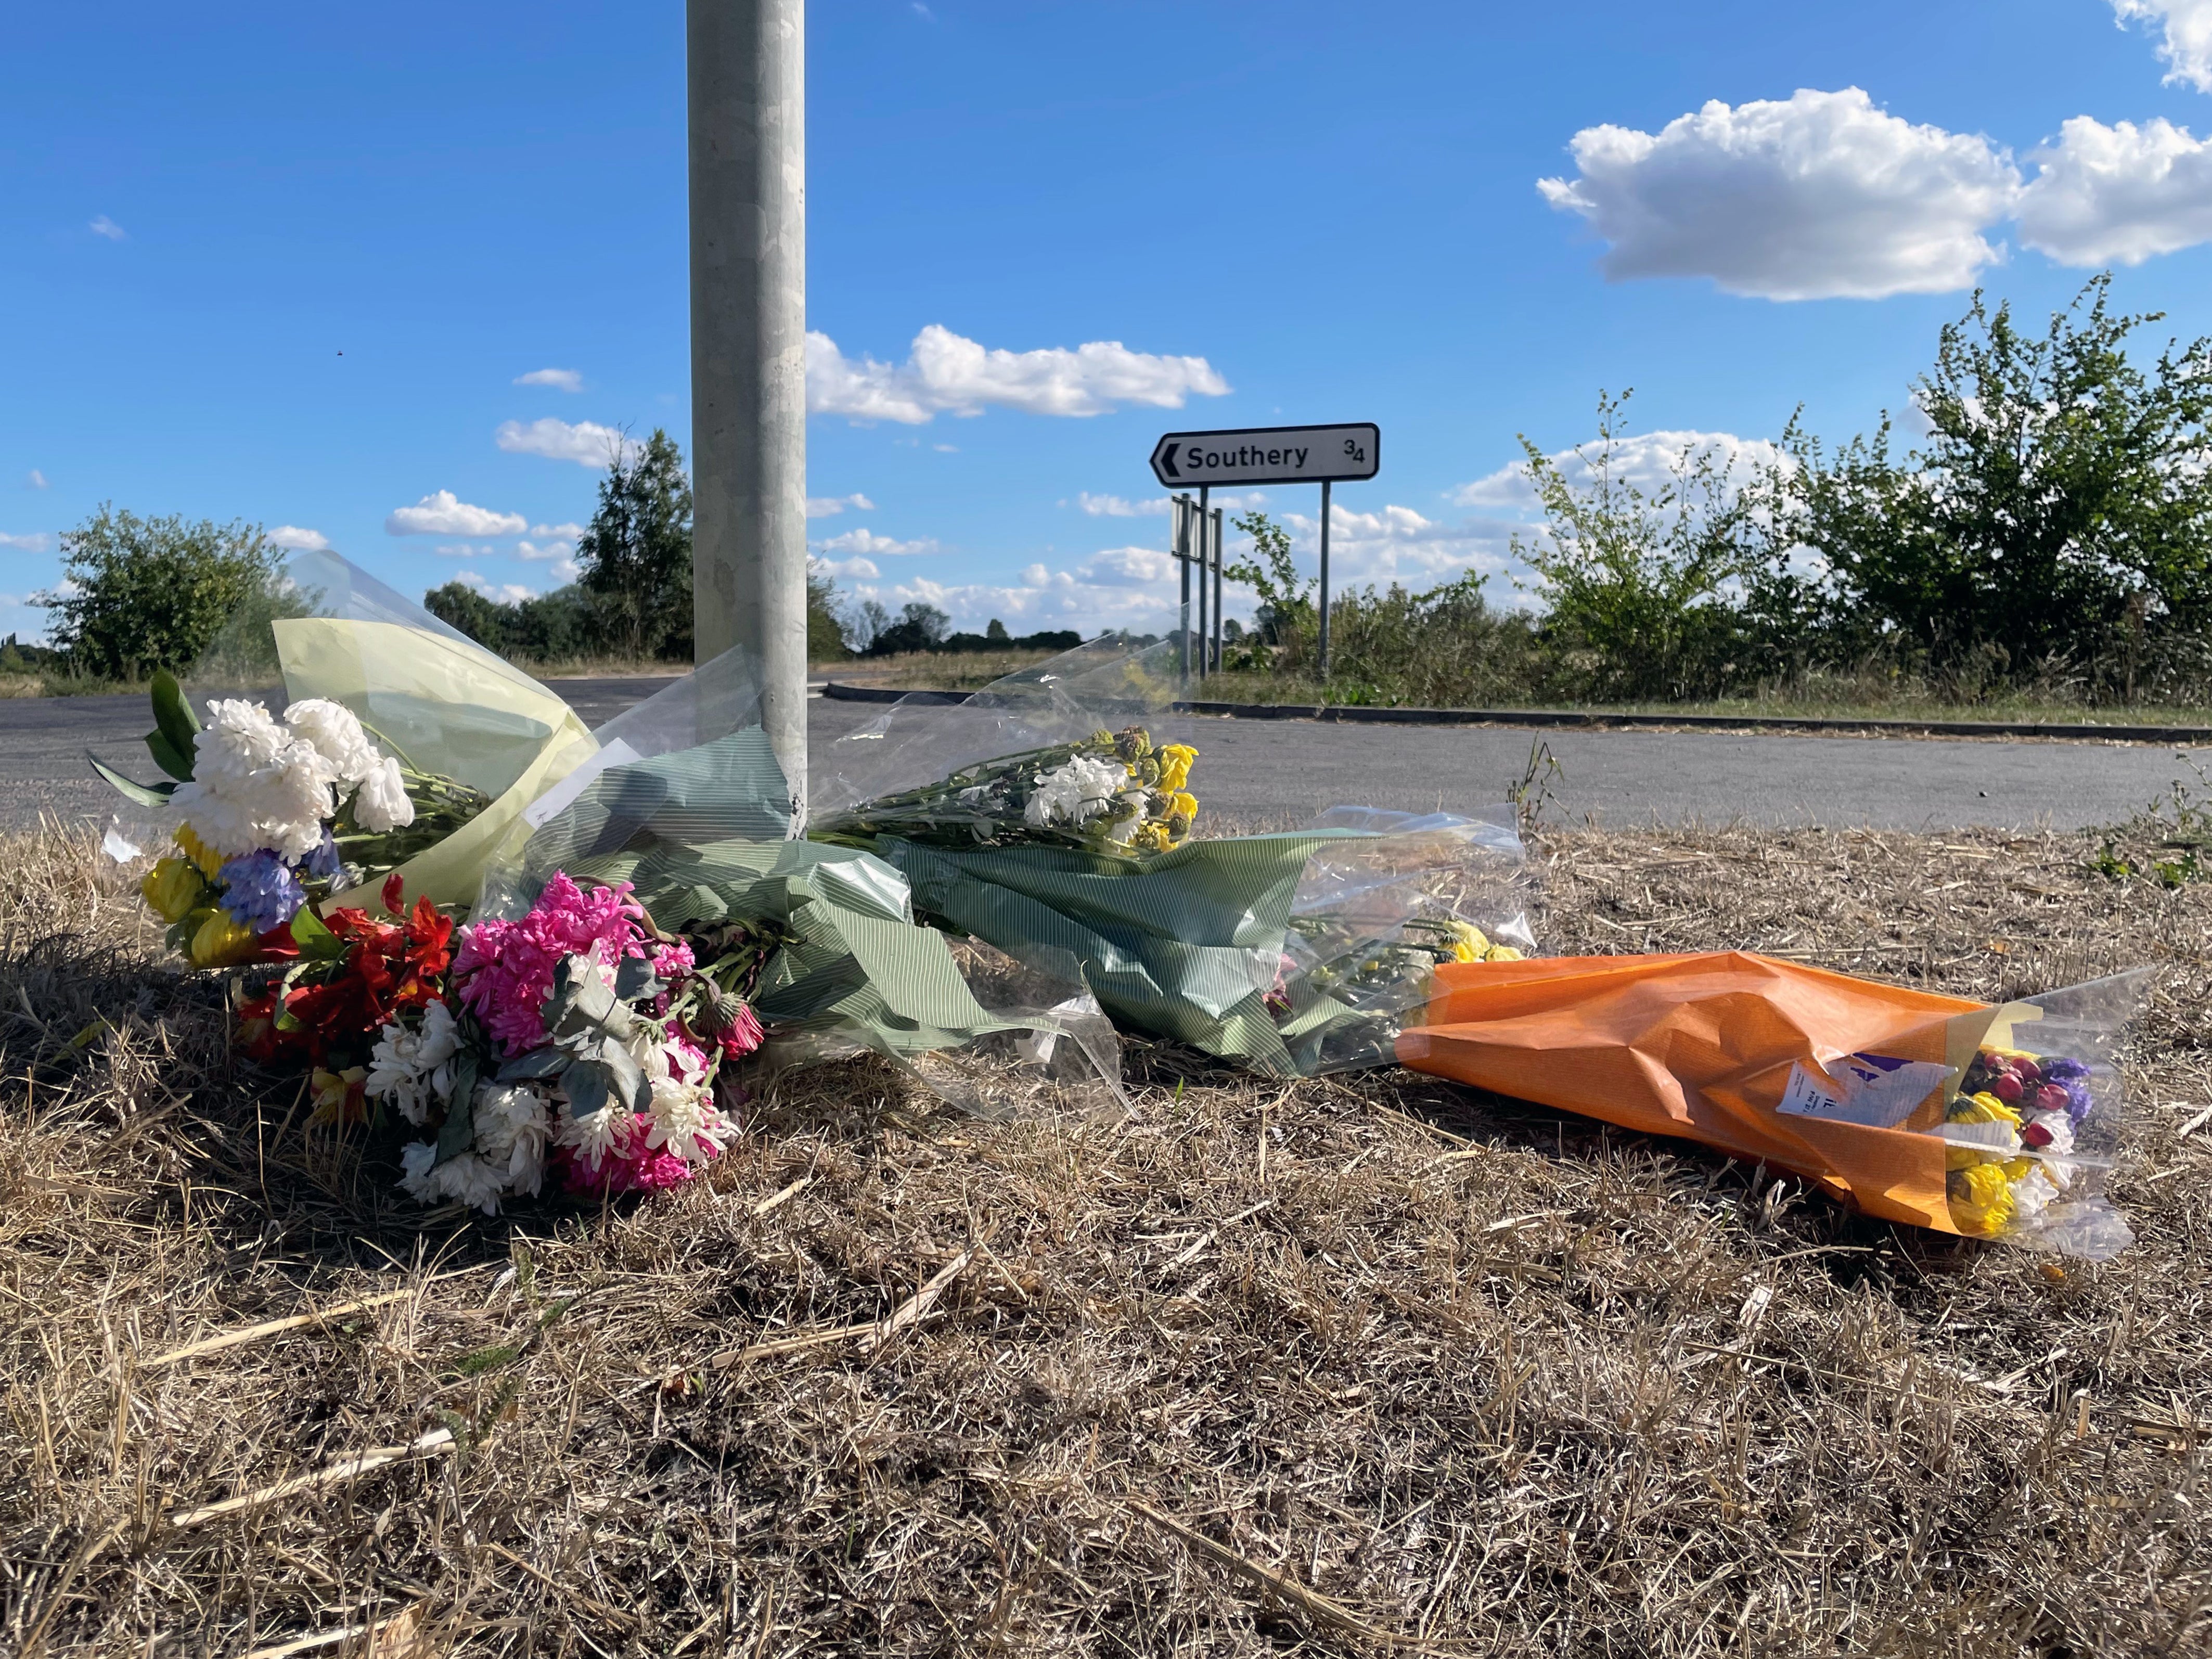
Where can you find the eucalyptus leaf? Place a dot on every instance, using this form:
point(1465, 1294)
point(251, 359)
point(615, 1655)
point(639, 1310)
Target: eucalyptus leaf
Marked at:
point(459, 1132)
point(628, 1077)
point(538, 1063)
point(588, 1085)
point(634, 979)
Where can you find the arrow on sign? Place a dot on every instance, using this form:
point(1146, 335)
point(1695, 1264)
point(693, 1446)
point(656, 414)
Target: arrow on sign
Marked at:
point(1167, 461)
point(1270, 454)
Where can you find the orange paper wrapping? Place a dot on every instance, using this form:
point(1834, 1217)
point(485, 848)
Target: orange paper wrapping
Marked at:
point(1702, 1046)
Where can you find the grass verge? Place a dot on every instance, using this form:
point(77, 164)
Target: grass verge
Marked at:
point(1364, 1365)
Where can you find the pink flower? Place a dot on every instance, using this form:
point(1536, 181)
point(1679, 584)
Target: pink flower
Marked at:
point(644, 1170)
point(504, 968)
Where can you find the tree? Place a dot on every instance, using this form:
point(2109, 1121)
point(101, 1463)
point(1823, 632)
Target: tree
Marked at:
point(1287, 615)
point(919, 628)
point(825, 633)
point(141, 594)
point(996, 632)
point(1641, 583)
point(636, 555)
point(2060, 511)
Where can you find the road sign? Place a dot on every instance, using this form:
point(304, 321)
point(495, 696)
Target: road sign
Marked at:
point(1269, 454)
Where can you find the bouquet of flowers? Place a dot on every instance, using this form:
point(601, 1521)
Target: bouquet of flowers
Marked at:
point(1112, 790)
point(577, 1039)
point(1924, 1110)
point(274, 813)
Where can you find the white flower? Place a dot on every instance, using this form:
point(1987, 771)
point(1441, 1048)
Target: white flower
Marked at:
point(2032, 1192)
point(336, 734)
point(382, 803)
point(512, 1124)
point(679, 1116)
point(592, 1138)
point(1074, 792)
point(255, 784)
point(411, 1068)
point(474, 1181)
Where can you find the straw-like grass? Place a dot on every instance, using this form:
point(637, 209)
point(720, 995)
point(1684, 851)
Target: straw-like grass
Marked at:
point(1359, 1365)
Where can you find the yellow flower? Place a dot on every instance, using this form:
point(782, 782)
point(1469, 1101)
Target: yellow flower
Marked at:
point(1983, 1108)
point(339, 1096)
point(1503, 953)
point(1981, 1199)
point(1175, 766)
point(173, 888)
point(1462, 951)
point(198, 851)
point(222, 943)
point(1182, 803)
point(1150, 838)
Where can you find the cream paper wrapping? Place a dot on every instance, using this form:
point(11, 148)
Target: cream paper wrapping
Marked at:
point(445, 706)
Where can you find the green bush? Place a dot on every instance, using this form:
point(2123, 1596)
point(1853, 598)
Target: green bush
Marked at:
point(141, 594)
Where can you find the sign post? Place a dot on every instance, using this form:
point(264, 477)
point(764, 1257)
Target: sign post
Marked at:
point(1325, 455)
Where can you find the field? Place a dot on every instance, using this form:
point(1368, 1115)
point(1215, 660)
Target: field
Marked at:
point(1364, 1365)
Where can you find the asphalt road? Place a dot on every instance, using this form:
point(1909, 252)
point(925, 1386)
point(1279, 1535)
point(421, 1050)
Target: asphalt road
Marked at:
point(1265, 775)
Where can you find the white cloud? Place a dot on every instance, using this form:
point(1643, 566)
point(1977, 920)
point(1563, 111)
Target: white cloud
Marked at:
point(846, 570)
point(103, 226)
point(566, 570)
point(35, 479)
point(293, 538)
point(947, 374)
point(1822, 197)
point(1116, 506)
point(559, 549)
point(1129, 567)
point(560, 379)
point(829, 506)
point(587, 442)
point(566, 533)
point(500, 593)
point(867, 542)
point(1645, 459)
point(37, 541)
point(2118, 194)
point(2186, 48)
point(464, 550)
point(440, 514)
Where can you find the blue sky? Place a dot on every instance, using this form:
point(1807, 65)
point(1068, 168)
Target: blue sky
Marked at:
point(294, 265)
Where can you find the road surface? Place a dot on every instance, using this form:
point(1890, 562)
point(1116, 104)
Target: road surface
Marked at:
point(1270, 773)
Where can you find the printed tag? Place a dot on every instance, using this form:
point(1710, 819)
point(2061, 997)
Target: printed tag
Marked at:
point(1877, 1090)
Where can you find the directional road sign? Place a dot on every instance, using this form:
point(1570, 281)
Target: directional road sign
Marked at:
point(1269, 454)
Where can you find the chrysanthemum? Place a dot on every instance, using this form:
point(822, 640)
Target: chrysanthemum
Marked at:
point(413, 1067)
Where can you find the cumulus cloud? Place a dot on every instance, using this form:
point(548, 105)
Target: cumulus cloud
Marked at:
point(1116, 506)
point(585, 442)
point(498, 592)
point(1819, 196)
point(2120, 194)
point(829, 506)
point(35, 479)
point(566, 533)
point(2186, 27)
point(295, 539)
point(560, 379)
point(566, 570)
point(440, 513)
point(464, 550)
point(103, 226)
point(37, 541)
point(846, 570)
point(558, 550)
point(1646, 459)
point(946, 373)
point(867, 542)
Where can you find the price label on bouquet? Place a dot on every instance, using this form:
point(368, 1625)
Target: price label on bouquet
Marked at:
point(1269, 454)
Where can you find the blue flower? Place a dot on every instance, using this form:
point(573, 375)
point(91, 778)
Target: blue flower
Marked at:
point(259, 891)
point(321, 863)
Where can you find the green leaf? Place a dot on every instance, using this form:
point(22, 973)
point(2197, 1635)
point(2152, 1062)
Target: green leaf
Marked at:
point(634, 979)
point(146, 794)
point(316, 942)
point(480, 1360)
point(627, 1077)
point(174, 714)
point(167, 757)
point(588, 1087)
point(459, 1132)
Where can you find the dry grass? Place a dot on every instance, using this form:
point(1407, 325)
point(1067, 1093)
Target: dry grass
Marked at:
point(934, 671)
point(1352, 1366)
